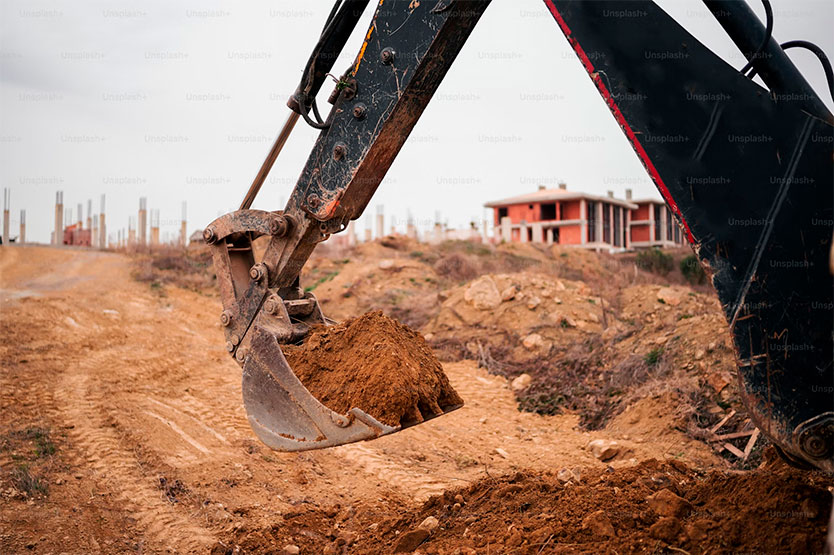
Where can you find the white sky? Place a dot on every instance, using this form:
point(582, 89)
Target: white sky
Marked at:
point(180, 101)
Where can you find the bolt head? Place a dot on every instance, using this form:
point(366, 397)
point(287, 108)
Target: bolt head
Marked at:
point(387, 56)
point(257, 272)
point(225, 318)
point(209, 236)
point(359, 111)
point(240, 356)
point(313, 201)
point(339, 151)
point(278, 226)
point(271, 306)
point(229, 346)
point(235, 339)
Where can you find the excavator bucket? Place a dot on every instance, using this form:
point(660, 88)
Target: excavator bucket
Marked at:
point(258, 318)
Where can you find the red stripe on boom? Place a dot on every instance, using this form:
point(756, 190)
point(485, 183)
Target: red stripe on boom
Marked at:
point(618, 115)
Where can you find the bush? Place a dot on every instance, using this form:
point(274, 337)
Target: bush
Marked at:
point(655, 261)
point(692, 270)
point(456, 267)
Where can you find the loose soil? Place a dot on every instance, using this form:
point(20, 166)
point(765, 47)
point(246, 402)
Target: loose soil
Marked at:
point(122, 430)
point(376, 364)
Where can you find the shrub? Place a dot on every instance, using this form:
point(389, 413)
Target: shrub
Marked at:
point(692, 270)
point(655, 261)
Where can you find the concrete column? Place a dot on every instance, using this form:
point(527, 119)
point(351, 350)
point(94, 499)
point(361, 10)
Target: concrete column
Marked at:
point(583, 215)
point(351, 233)
point(143, 221)
point(522, 232)
point(94, 232)
point(6, 223)
point(549, 236)
point(599, 222)
point(538, 233)
point(368, 235)
point(155, 227)
point(102, 228)
point(506, 229)
point(183, 226)
point(58, 236)
point(22, 238)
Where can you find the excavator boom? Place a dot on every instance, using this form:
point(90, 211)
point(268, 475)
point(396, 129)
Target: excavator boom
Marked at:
point(747, 172)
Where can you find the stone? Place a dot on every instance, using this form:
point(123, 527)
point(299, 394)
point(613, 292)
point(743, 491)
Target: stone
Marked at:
point(533, 342)
point(387, 264)
point(604, 449)
point(533, 302)
point(509, 293)
point(567, 475)
point(699, 530)
point(665, 503)
point(502, 452)
point(291, 549)
point(459, 499)
point(699, 354)
point(411, 540)
point(718, 380)
point(483, 294)
point(667, 529)
point(331, 548)
point(592, 317)
point(522, 382)
point(430, 523)
point(599, 524)
point(559, 285)
point(669, 296)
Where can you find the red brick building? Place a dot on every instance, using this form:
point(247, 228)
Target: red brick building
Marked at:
point(75, 235)
point(562, 217)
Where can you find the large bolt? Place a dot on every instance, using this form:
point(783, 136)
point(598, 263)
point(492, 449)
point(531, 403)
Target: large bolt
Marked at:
point(257, 272)
point(230, 346)
point(387, 55)
point(240, 355)
point(339, 151)
point(208, 235)
point(278, 226)
point(226, 318)
point(235, 339)
point(313, 201)
point(271, 305)
point(359, 111)
point(817, 443)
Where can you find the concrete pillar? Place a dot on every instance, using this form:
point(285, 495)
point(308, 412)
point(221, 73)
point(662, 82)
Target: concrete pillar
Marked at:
point(599, 222)
point(143, 221)
point(102, 228)
point(522, 232)
point(94, 232)
point(7, 199)
point(380, 222)
point(351, 233)
point(368, 235)
point(583, 215)
point(58, 236)
point(155, 227)
point(506, 229)
point(80, 219)
point(89, 214)
point(183, 226)
point(549, 236)
point(538, 234)
point(437, 233)
point(22, 238)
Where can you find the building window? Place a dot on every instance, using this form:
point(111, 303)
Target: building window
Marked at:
point(548, 211)
point(502, 213)
point(657, 230)
point(591, 208)
point(606, 223)
point(618, 236)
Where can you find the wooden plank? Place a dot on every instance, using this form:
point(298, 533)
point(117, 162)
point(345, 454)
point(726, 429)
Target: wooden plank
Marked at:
point(751, 443)
point(723, 421)
point(734, 435)
point(734, 450)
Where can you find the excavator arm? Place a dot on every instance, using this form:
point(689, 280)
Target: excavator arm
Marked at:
point(747, 172)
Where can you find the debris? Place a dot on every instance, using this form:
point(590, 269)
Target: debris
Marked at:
point(291, 549)
point(521, 382)
point(667, 529)
point(430, 523)
point(502, 452)
point(483, 294)
point(666, 503)
point(411, 540)
point(604, 449)
point(599, 524)
point(669, 296)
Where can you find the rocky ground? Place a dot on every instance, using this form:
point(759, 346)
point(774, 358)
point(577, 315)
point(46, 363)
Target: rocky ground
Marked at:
point(598, 395)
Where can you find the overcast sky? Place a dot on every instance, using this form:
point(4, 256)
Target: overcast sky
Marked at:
point(180, 101)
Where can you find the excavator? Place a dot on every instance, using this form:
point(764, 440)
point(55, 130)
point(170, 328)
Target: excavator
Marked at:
point(763, 234)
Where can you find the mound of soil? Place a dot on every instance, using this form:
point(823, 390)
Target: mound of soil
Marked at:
point(376, 364)
point(652, 507)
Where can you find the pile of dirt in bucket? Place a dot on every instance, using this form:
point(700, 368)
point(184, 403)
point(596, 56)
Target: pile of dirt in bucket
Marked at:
point(376, 364)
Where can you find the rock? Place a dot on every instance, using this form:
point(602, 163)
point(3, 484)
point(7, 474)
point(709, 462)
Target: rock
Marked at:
point(603, 449)
point(546, 293)
point(568, 475)
point(533, 342)
point(533, 302)
point(430, 523)
point(521, 382)
point(665, 503)
point(509, 293)
point(592, 317)
point(699, 354)
point(599, 525)
point(291, 549)
point(483, 294)
point(557, 300)
point(411, 540)
point(667, 529)
point(718, 380)
point(502, 452)
point(387, 264)
point(459, 499)
point(669, 296)
point(559, 285)
point(331, 548)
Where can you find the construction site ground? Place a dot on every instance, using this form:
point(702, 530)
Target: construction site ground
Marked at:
point(122, 427)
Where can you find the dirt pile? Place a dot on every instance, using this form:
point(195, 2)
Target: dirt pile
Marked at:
point(651, 507)
point(376, 364)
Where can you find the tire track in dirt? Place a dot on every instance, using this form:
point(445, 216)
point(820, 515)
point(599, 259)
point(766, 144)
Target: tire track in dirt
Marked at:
point(84, 407)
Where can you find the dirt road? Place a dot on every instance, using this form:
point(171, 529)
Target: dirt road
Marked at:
point(143, 405)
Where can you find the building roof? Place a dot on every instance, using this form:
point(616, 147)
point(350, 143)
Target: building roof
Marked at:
point(546, 195)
